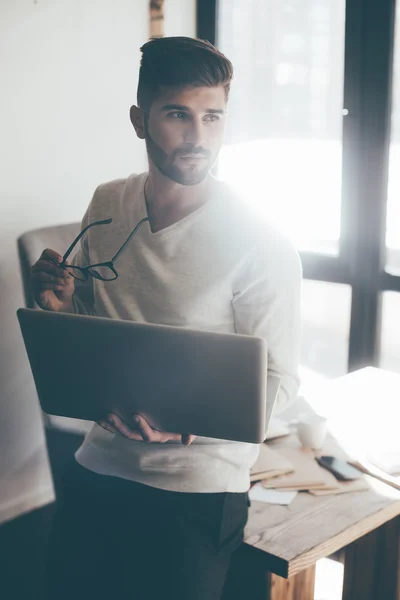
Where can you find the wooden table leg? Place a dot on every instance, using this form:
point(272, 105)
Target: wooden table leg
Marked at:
point(298, 587)
point(372, 565)
point(248, 580)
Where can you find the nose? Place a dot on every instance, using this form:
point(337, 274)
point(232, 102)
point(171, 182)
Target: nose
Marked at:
point(194, 133)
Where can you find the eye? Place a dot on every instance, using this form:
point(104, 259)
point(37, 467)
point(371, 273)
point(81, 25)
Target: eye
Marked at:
point(211, 118)
point(177, 115)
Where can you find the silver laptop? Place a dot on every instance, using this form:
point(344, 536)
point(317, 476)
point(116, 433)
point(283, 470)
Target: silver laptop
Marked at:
point(204, 383)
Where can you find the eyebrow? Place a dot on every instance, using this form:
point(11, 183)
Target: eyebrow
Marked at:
point(214, 111)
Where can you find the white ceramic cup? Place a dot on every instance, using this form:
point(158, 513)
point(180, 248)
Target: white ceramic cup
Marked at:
point(311, 430)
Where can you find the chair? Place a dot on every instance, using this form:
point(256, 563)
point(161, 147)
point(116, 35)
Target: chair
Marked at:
point(63, 435)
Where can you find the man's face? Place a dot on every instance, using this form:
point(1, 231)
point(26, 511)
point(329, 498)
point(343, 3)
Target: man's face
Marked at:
point(184, 132)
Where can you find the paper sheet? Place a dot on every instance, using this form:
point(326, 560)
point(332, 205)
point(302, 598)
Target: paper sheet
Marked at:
point(261, 494)
point(344, 487)
point(307, 473)
point(270, 464)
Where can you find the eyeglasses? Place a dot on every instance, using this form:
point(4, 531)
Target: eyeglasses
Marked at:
point(104, 271)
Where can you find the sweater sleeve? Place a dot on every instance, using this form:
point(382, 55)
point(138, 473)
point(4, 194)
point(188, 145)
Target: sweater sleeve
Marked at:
point(266, 303)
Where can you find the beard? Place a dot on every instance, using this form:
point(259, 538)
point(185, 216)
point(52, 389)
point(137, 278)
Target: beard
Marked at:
point(166, 164)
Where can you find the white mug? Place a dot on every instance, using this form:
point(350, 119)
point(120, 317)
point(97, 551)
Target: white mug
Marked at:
point(311, 430)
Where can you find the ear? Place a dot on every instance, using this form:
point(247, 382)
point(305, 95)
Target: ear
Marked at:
point(137, 120)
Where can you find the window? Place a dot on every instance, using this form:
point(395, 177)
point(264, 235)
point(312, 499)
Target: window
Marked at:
point(325, 331)
point(390, 339)
point(308, 144)
point(284, 138)
point(393, 204)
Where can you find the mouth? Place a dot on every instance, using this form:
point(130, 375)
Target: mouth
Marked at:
point(192, 157)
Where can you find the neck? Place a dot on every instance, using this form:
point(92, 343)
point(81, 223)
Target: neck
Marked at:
point(164, 195)
point(168, 202)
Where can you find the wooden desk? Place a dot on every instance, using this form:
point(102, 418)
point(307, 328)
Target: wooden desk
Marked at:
point(282, 544)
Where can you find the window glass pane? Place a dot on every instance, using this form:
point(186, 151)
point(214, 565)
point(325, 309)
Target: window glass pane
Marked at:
point(284, 139)
point(390, 336)
point(325, 335)
point(393, 205)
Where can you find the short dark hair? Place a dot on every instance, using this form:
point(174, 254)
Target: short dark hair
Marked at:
point(180, 62)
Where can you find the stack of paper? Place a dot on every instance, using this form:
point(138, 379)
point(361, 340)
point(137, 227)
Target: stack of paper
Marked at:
point(344, 487)
point(270, 464)
point(307, 474)
point(284, 473)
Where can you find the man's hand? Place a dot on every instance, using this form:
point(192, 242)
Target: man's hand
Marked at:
point(53, 287)
point(143, 432)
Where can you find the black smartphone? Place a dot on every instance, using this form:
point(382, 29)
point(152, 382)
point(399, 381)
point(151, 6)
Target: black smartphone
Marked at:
point(340, 468)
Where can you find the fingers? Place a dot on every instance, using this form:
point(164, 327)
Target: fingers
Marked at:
point(188, 439)
point(114, 424)
point(122, 428)
point(144, 432)
point(151, 435)
point(51, 255)
point(46, 279)
point(147, 433)
point(43, 282)
point(106, 425)
point(47, 276)
point(45, 266)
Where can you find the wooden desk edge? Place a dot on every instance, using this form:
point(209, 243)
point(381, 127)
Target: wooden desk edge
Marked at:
point(264, 560)
point(288, 568)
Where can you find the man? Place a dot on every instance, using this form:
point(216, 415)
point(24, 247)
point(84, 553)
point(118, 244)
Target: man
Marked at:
point(149, 514)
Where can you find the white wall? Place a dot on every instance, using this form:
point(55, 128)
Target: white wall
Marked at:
point(68, 77)
point(180, 17)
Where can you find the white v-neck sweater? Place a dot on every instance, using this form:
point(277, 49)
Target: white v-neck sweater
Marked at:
point(220, 269)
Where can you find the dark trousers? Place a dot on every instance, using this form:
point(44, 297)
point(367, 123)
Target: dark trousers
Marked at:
point(113, 538)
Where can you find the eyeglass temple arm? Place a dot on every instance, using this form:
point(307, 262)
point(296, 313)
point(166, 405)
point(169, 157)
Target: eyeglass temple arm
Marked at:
point(129, 239)
point(76, 240)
